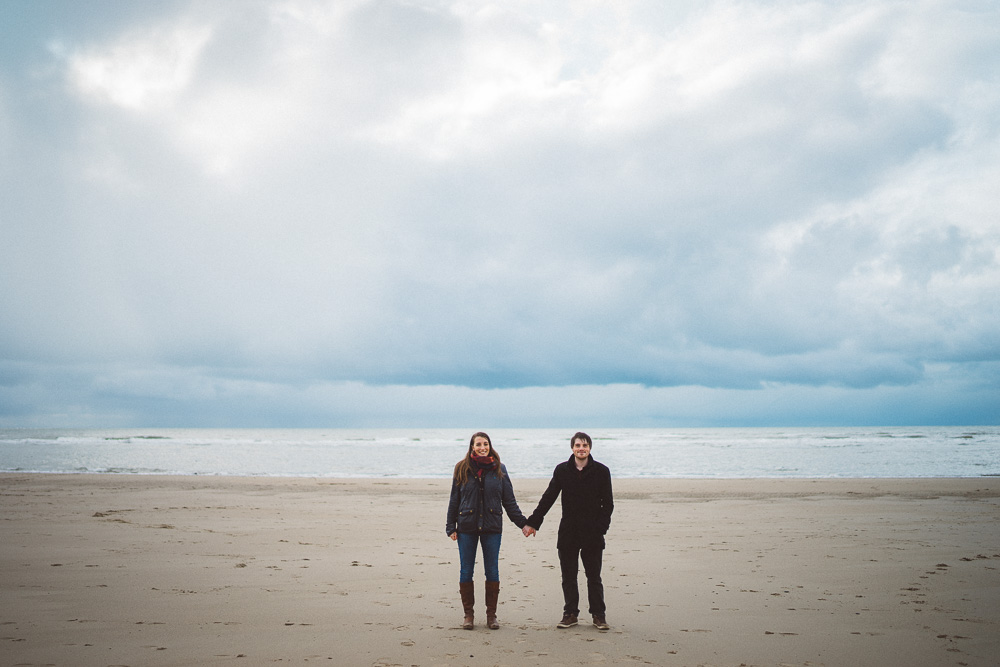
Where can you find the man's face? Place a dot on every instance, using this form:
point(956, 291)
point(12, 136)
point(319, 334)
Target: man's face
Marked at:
point(581, 450)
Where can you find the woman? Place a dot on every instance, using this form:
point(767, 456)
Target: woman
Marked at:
point(480, 487)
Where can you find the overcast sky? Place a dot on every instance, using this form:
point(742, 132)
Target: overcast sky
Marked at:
point(520, 213)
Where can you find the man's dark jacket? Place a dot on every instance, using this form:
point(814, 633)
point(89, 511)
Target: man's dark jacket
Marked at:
point(587, 504)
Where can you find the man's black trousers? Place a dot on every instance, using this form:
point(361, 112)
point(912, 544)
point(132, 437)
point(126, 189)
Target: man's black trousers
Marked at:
point(569, 562)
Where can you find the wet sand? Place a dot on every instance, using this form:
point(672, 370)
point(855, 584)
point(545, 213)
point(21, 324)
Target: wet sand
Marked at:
point(151, 570)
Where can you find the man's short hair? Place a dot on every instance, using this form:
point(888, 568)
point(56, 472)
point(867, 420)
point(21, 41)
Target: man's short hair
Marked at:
point(580, 435)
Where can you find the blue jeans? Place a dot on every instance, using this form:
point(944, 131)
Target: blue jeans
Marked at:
point(467, 555)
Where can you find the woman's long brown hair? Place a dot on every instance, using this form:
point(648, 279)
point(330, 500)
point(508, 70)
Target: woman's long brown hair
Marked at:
point(463, 467)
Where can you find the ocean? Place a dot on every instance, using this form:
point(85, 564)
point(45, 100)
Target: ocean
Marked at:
point(704, 453)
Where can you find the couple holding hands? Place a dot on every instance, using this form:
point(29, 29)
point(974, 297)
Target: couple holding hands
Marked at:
point(481, 492)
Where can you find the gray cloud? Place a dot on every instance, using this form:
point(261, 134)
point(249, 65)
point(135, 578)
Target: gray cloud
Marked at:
point(220, 207)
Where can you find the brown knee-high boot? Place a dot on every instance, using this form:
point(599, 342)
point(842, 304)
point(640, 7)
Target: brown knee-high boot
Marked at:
point(468, 591)
point(492, 593)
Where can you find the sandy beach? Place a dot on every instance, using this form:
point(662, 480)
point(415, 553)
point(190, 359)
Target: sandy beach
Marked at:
point(151, 570)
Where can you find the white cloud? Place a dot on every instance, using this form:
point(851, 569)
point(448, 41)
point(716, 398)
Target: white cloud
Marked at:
point(736, 195)
point(911, 265)
point(143, 69)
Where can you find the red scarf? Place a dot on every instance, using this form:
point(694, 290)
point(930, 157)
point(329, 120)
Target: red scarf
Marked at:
point(483, 463)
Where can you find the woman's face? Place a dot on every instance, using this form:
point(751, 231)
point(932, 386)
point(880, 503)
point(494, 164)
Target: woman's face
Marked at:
point(480, 446)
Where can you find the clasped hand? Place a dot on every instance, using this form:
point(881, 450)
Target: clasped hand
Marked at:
point(527, 530)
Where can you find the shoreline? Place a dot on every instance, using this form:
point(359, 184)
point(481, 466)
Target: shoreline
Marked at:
point(128, 569)
point(985, 486)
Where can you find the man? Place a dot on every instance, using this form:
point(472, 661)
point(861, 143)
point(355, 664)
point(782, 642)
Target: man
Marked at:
point(587, 504)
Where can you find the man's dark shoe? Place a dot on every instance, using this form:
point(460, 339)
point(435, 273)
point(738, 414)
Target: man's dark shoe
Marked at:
point(568, 621)
point(600, 623)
